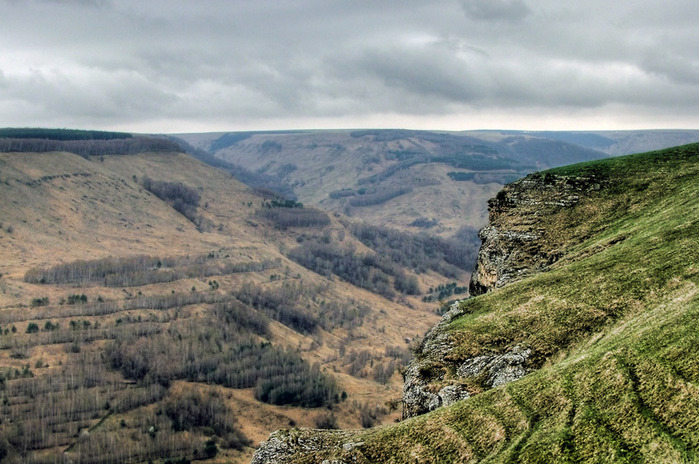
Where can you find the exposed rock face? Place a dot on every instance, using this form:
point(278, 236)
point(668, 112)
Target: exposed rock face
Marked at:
point(284, 446)
point(513, 245)
point(428, 386)
point(499, 252)
point(497, 369)
point(419, 395)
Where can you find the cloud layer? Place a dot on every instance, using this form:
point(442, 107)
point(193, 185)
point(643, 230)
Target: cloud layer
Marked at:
point(211, 65)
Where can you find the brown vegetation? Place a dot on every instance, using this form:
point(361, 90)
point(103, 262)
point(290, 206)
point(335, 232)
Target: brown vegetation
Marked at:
point(116, 311)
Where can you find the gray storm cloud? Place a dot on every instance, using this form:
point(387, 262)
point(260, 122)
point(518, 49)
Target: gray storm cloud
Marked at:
point(159, 65)
point(509, 10)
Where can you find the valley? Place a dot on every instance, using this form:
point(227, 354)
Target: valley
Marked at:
point(154, 307)
point(153, 301)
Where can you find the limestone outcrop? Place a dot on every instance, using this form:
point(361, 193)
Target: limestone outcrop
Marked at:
point(286, 446)
point(429, 383)
point(513, 243)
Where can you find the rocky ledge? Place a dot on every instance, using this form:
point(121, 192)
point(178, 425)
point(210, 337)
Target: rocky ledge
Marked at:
point(290, 446)
point(513, 243)
point(429, 379)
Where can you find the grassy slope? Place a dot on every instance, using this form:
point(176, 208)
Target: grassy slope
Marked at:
point(614, 324)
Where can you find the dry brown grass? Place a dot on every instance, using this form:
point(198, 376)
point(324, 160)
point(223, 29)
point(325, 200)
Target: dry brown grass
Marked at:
point(61, 208)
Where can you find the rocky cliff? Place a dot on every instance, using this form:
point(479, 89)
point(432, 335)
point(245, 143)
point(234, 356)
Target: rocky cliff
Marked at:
point(595, 314)
point(519, 238)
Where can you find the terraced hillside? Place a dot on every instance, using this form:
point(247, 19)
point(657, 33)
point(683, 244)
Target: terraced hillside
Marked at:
point(154, 308)
point(589, 299)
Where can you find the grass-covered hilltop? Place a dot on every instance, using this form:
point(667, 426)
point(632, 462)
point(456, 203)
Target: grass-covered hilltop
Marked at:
point(582, 345)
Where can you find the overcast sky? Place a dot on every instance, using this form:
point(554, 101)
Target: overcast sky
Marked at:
point(214, 65)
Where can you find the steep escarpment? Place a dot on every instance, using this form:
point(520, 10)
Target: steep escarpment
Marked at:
point(519, 239)
point(599, 331)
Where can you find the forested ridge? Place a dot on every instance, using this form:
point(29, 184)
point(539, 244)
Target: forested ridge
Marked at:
point(60, 134)
point(81, 142)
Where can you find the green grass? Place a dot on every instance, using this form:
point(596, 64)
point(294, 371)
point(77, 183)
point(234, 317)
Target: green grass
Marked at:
point(614, 328)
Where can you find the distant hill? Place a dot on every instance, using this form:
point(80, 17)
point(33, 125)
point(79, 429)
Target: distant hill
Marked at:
point(436, 182)
point(581, 346)
point(80, 142)
point(623, 142)
point(431, 181)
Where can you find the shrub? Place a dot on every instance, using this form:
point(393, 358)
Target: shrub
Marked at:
point(74, 299)
point(32, 327)
point(43, 301)
point(326, 420)
point(284, 217)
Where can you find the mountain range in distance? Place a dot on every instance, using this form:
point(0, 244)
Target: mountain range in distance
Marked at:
point(418, 181)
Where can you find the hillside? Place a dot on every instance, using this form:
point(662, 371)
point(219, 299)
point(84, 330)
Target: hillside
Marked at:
point(581, 346)
point(437, 182)
point(151, 301)
point(429, 181)
point(619, 142)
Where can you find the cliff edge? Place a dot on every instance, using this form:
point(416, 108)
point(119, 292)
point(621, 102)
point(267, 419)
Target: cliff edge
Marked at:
point(519, 238)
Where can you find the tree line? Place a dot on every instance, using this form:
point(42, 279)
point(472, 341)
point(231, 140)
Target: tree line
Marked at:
point(60, 134)
point(279, 303)
point(141, 270)
point(87, 148)
point(380, 196)
point(284, 217)
point(422, 252)
point(183, 199)
point(370, 271)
